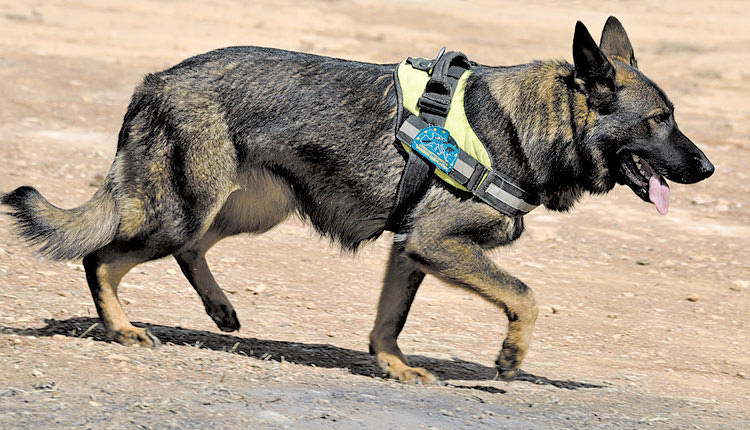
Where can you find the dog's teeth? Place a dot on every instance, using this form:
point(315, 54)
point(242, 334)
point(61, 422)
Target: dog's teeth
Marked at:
point(638, 164)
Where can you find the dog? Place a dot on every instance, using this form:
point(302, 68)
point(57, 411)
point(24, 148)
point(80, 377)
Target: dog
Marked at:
point(236, 140)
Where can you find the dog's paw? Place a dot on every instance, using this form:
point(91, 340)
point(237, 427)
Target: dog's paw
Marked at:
point(226, 319)
point(135, 337)
point(395, 368)
point(224, 316)
point(506, 375)
point(416, 375)
point(507, 362)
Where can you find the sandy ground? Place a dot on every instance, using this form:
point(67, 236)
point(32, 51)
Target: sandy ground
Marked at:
point(644, 319)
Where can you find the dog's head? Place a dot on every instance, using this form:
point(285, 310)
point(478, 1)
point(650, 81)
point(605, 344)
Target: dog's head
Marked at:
point(635, 133)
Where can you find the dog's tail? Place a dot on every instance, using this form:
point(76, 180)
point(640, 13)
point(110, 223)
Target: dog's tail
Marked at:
point(62, 234)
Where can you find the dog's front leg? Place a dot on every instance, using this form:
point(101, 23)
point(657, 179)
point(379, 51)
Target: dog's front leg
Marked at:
point(400, 285)
point(460, 261)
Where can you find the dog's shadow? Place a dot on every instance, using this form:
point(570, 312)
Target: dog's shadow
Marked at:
point(318, 355)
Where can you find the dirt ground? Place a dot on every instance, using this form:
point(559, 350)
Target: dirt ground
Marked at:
point(645, 320)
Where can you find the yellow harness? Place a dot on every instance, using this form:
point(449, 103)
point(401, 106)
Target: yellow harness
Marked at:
point(438, 138)
point(412, 83)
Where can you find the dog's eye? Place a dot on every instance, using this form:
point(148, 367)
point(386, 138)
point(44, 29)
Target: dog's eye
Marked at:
point(660, 118)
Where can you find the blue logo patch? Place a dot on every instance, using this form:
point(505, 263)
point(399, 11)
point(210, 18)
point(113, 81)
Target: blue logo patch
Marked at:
point(438, 146)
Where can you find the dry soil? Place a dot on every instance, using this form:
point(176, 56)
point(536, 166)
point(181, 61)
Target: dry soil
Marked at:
point(644, 320)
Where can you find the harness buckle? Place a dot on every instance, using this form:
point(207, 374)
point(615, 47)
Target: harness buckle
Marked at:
point(434, 103)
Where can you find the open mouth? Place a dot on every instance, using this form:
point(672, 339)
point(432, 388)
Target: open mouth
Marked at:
point(645, 182)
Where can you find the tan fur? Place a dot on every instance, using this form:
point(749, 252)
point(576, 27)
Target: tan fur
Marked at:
point(113, 317)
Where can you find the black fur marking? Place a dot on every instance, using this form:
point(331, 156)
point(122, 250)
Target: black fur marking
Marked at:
point(494, 128)
point(28, 227)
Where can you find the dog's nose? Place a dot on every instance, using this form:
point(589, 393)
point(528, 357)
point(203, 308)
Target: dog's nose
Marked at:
point(707, 168)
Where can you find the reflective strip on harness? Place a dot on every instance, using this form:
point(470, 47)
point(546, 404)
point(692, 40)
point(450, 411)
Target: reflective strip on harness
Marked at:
point(490, 186)
point(509, 198)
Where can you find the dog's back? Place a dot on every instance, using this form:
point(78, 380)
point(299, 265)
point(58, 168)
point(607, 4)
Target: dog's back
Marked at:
point(208, 124)
point(237, 119)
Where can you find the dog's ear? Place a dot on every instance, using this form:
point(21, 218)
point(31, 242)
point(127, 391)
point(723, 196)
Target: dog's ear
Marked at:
point(594, 74)
point(615, 43)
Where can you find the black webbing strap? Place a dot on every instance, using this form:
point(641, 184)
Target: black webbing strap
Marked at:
point(445, 70)
point(414, 182)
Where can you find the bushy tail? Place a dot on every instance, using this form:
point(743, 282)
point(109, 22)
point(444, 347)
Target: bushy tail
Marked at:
point(63, 234)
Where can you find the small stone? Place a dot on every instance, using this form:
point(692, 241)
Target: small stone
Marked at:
point(701, 199)
point(643, 262)
point(37, 373)
point(612, 316)
point(738, 285)
point(311, 305)
point(257, 289)
point(117, 357)
point(272, 417)
point(47, 273)
point(49, 385)
point(544, 234)
point(692, 298)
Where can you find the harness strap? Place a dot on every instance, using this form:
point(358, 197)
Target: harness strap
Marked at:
point(494, 188)
point(434, 105)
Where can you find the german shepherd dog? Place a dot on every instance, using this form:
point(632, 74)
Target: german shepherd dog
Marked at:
point(235, 140)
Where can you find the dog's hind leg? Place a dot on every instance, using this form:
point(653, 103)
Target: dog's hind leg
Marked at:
point(402, 279)
point(262, 202)
point(195, 268)
point(104, 270)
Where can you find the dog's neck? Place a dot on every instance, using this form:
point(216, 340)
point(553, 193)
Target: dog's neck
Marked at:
point(534, 124)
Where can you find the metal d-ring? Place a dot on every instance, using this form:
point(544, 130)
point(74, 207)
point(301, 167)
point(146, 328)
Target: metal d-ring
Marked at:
point(435, 61)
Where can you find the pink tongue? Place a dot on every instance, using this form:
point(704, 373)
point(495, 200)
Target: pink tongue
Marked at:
point(658, 193)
